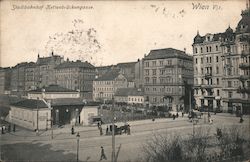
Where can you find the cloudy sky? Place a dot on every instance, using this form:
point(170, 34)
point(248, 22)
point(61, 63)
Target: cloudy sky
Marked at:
point(107, 32)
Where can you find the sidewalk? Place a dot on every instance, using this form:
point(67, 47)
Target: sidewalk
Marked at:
point(85, 131)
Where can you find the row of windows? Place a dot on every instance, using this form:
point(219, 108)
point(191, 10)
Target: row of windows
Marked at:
point(103, 82)
point(208, 60)
point(104, 89)
point(207, 49)
point(154, 63)
point(208, 70)
point(161, 80)
point(208, 81)
point(109, 95)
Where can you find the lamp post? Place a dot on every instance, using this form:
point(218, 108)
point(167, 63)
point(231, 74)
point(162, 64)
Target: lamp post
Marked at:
point(77, 151)
point(113, 133)
point(37, 115)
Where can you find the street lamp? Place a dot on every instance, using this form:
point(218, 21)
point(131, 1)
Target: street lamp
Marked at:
point(113, 132)
point(37, 115)
point(78, 138)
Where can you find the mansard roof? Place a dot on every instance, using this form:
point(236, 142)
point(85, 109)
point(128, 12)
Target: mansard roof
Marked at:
point(166, 53)
point(77, 64)
point(109, 75)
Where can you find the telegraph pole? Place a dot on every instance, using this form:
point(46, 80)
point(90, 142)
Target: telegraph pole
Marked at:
point(113, 132)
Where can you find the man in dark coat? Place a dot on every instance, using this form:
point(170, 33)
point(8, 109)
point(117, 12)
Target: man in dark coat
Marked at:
point(103, 156)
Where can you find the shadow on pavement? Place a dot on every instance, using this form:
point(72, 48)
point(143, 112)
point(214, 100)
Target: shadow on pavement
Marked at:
point(34, 152)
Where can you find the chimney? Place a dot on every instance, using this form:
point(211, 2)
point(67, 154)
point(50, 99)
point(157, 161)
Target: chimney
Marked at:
point(184, 50)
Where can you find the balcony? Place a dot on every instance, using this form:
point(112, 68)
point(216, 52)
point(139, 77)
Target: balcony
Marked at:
point(207, 87)
point(243, 78)
point(208, 75)
point(244, 65)
point(243, 90)
point(245, 53)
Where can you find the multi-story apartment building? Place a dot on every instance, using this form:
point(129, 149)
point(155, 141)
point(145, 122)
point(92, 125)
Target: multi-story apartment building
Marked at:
point(76, 76)
point(104, 87)
point(139, 74)
point(166, 74)
point(46, 69)
point(221, 68)
point(5, 74)
point(208, 70)
point(236, 64)
point(17, 83)
point(31, 77)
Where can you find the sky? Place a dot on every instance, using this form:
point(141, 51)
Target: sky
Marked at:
point(107, 32)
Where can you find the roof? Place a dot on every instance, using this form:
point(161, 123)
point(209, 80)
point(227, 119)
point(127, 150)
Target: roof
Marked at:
point(77, 64)
point(128, 92)
point(126, 64)
point(31, 104)
point(53, 88)
point(109, 75)
point(46, 60)
point(166, 53)
point(67, 102)
point(245, 21)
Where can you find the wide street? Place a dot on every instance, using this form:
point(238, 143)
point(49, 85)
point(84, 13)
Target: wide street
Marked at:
point(24, 145)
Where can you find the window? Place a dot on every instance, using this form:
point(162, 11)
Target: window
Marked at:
point(230, 94)
point(146, 72)
point(147, 64)
point(154, 80)
point(218, 81)
point(154, 71)
point(217, 58)
point(218, 92)
point(210, 49)
point(207, 49)
point(201, 60)
point(169, 62)
point(154, 89)
point(201, 70)
point(161, 63)
point(201, 50)
point(217, 70)
point(196, 51)
point(207, 59)
point(147, 79)
point(202, 81)
point(229, 83)
point(162, 71)
point(210, 58)
point(216, 47)
point(154, 99)
point(196, 60)
point(154, 63)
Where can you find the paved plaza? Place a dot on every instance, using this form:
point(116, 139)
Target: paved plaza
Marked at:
point(24, 145)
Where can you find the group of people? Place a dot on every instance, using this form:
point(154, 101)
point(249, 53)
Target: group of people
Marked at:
point(4, 129)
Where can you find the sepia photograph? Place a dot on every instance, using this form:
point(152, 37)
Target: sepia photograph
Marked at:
point(125, 81)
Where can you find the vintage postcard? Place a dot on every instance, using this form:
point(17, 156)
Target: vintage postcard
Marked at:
point(129, 81)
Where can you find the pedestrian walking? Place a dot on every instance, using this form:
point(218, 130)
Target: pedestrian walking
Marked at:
point(177, 115)
point(2, 130)
point(182, 114)
point(128, 129)
point(107, 130)
point(98, 124)
point(103, 156)
point(72, 130)
point(173, 116)
point(100, 128)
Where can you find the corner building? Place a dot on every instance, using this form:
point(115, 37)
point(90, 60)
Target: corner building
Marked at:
point(166, 71)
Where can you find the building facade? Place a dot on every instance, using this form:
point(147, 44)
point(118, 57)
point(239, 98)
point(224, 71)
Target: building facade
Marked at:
point(166, 72)
point(105, 86)
point(208, 71)
point(221, 68)
point(130, 96)
point(46, 69)
point(76, 76)
point(31, 114)
point(31, 76)
point(5, 76)
point(236, 64)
